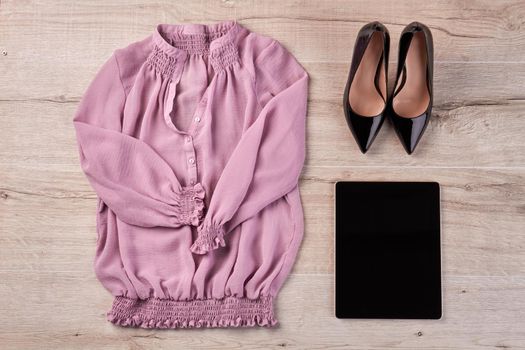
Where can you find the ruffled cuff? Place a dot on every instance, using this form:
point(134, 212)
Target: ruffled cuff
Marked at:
point(191, 202)
point(209, 237)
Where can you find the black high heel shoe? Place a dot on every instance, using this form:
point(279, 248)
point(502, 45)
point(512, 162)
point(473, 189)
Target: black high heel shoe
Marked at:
point(410, 106)
point(365, 95)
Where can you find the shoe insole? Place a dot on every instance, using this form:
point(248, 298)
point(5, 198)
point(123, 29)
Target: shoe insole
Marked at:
point(413, 98)
point(363, 97)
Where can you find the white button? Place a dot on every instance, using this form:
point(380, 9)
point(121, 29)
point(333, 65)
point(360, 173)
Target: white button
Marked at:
point(192, 182)
point(197, 119)
point(188, 139)
point(191, 160)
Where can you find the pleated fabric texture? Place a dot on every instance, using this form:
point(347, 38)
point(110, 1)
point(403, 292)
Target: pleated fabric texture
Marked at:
point(193, 140)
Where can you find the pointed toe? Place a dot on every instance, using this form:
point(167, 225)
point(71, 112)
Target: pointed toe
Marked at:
point(409, 146)
point(410, 131)
point(363, 143)
point(365, 130)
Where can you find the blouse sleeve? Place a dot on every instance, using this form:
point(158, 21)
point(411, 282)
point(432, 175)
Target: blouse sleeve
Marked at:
point(126, 173)
point(267, 162)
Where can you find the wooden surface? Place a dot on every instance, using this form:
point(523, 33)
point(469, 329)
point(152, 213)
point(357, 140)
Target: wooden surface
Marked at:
point(474, 146)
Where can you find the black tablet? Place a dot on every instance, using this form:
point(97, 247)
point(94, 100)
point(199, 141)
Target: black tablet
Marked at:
point(387, 250)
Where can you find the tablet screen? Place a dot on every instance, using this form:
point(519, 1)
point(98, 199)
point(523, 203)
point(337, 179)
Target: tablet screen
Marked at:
point(387, 250)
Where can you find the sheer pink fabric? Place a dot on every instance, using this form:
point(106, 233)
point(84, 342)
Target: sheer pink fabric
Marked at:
point(194, 140)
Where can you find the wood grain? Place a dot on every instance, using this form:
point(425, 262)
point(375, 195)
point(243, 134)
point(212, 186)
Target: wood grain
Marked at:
point(474, 147)
point(477, 308)
point(481, 209)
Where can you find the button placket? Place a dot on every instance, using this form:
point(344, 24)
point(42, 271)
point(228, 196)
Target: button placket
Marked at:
point(199, 112)
point(191, 160)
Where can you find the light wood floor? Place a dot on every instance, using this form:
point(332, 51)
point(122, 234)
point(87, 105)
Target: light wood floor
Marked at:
point(474, 146)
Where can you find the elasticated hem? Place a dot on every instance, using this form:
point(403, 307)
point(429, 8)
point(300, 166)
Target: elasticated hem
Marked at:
point(209, 237)
point(212, 313)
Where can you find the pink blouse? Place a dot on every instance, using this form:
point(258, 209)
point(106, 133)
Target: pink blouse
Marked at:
point(193, 140)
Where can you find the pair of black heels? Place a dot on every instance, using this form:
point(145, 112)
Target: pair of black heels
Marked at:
point(366, 101)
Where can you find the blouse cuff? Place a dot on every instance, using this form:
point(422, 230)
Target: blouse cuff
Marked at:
point(209, 237)
point(191, 205)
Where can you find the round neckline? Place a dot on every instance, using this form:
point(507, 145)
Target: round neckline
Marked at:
point(179, 40)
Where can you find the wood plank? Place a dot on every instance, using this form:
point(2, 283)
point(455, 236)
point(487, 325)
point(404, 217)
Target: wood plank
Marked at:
point(48, 218)
point(318, 30)
point(479, 312)
point(455, 84)
point(90, 33)
point(480, 135)
point(486, 135)
point(482, 216)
